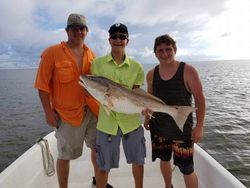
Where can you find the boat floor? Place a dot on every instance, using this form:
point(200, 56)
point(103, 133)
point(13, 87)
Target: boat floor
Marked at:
point(81, 172)
point(27, 171)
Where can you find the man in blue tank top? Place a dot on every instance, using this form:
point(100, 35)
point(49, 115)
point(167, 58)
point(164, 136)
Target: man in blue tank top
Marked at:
point(175, 83)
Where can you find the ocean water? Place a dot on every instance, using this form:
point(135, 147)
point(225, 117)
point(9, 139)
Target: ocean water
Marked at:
point(227, 124)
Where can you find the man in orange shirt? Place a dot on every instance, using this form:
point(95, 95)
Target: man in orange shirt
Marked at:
point(66, 107)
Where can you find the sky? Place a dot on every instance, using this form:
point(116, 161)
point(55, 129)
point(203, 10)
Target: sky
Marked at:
point(204, 30)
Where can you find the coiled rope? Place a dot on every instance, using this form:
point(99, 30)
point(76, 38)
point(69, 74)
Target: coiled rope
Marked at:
point(48, 161)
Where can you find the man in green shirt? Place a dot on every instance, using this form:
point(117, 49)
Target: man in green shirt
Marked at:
point(113, 128)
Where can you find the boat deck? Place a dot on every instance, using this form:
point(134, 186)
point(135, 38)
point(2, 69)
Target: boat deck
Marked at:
point(81, 173)
point(27, 171)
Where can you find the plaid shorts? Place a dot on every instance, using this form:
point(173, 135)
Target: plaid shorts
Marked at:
point(183, 152)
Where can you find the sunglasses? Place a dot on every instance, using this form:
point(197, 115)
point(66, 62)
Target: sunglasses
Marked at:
point(120, 36)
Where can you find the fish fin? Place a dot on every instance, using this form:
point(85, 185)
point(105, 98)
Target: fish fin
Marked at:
point(146, 94)
point(106, 109)
point(110, 103)
point(181, 115)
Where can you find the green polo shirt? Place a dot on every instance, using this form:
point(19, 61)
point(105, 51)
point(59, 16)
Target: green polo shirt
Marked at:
point(128, 74)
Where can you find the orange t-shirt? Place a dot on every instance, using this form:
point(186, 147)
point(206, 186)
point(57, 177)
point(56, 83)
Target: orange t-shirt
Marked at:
point(58, 74)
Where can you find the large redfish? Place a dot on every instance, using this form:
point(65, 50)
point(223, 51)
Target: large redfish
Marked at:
point(116, 97)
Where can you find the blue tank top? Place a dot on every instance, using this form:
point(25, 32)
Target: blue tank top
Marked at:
point(172, 92)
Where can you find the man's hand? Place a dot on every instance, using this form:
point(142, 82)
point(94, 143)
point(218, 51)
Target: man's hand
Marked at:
point(53, 119)
point(146, 125)
point(148, 115)
point(147, 112)
point(197, 134)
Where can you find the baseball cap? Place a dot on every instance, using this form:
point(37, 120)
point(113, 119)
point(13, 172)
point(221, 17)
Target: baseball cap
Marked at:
point(118, 27)
point(76, 20)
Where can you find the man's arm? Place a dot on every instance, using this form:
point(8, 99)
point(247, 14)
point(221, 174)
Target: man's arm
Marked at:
point(51, 116)
point(149, 79)
point(193, 83)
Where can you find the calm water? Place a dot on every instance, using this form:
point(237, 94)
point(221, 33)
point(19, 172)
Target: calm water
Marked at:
point(227, 128)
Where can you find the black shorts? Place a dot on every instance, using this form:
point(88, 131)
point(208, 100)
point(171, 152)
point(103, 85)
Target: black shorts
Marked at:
point(163, 148)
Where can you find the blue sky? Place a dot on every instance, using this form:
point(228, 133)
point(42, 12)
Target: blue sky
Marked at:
point(204, 30)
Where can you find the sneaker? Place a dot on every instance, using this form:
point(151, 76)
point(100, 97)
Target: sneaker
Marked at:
point(94, 184)
point(171, 186)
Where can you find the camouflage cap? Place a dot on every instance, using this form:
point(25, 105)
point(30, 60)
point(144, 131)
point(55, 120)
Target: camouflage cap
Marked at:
point(76, 20)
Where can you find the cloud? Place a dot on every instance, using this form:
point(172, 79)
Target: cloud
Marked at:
point(204, 32)
point(148, 12)
point(225, 35)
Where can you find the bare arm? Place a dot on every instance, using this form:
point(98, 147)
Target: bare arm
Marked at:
point(51, 116)
point(149, 90)
point(193, 83)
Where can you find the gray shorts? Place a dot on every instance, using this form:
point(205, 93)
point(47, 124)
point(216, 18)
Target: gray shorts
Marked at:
point(70, 139)
point(108, 148)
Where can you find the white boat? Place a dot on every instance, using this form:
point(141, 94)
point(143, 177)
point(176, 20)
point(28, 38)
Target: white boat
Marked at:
point(28, 171)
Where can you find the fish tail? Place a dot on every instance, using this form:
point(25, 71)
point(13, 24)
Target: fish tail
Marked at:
point(181, 115)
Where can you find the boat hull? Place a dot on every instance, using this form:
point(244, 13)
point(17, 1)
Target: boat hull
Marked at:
point(28, 172)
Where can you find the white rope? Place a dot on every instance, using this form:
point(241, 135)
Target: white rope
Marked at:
point(48, 161)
